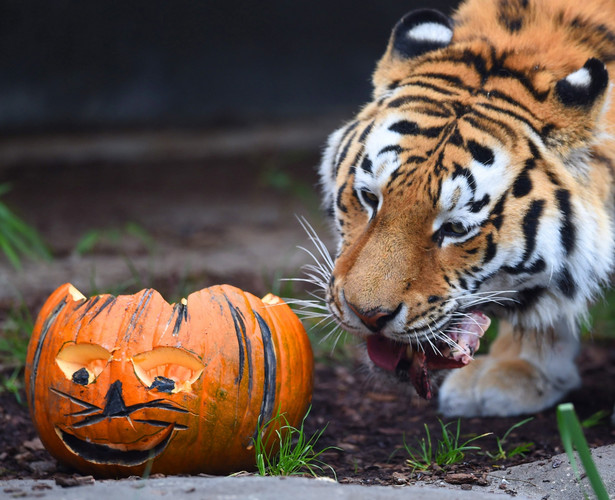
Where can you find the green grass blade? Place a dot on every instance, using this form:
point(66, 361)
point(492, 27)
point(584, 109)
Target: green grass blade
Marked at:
point(573, 438)
point(9, 252)
point(18, 238)
point(515, 426)
point(296, 452)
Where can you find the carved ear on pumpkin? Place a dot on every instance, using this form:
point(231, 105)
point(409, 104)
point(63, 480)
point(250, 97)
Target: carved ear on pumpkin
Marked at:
point(584, 86)
point(421, 31)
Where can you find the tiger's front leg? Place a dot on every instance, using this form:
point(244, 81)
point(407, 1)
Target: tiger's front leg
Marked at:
point(524, 372)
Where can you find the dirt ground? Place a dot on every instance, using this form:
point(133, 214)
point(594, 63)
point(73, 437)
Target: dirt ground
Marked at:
point(184, 225)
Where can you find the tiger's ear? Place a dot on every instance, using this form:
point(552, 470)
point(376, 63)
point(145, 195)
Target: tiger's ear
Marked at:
point(421, 31)
point(415, 34)
point(577, 116)
point(584, 86)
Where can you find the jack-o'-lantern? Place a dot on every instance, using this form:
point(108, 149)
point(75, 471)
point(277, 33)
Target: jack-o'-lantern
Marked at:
point(119, 384)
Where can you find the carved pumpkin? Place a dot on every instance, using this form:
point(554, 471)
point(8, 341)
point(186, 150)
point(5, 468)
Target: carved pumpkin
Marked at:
point(115, 384)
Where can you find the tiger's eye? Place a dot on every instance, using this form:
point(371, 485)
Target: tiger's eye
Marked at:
point(454, 229)
point(370, 196)
point(370, 199)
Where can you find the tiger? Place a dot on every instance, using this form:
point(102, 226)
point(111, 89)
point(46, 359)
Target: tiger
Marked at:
point(478, 183)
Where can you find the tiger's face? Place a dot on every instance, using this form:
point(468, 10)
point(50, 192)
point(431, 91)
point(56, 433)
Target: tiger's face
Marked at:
point(465, 188)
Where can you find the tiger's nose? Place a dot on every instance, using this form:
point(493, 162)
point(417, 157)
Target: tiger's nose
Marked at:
point(374, 319)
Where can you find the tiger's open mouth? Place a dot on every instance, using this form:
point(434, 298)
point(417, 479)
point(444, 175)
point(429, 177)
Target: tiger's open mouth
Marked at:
point(404, 359)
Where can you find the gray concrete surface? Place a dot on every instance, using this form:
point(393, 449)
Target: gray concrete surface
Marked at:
point(244, 488)
point(551, 479)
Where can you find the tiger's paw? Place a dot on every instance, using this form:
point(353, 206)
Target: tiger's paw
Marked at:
point(498, 387)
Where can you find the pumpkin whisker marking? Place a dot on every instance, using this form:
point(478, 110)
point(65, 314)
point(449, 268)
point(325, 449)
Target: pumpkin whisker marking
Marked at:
point(90, 407)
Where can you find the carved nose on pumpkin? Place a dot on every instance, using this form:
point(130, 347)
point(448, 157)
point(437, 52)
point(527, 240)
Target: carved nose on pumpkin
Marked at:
point(374, 319)
point(115, 406)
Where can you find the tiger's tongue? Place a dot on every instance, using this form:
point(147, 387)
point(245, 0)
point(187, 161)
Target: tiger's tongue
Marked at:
point(387, 354)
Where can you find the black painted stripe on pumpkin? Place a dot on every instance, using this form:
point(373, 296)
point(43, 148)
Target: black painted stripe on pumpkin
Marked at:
point(136, 315)
point(103, 454)
point(243, 343)
point(182, 316)
point(90, 303)
point(567, 232)
point(161, 404)
point(89, 407)
point(270, 369)
point(108, 301)
point(39, 349)
point(161, 423)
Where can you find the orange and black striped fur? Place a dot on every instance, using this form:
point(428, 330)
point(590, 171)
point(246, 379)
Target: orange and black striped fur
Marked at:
point(481, 177)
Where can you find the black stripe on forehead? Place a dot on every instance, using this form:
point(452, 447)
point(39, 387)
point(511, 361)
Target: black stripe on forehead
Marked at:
point(460, 171)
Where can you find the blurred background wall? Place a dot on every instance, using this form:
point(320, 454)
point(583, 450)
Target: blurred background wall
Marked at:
point(74, 65)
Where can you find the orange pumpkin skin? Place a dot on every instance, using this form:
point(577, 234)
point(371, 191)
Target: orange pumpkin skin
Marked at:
point(118, 384)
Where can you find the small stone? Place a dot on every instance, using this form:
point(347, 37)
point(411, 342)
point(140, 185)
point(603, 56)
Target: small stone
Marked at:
point(400, 478)
point(42, 466)
point(68, 481)
point(460, 478)
point(34, 444)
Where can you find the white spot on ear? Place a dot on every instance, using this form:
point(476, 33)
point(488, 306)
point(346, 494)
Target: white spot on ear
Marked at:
point(580, 78)
point(431, 32)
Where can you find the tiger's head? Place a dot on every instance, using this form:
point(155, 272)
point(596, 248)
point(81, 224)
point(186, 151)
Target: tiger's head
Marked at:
point(472, 183)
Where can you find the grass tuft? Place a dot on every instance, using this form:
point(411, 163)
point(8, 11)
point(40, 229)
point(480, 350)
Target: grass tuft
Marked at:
point(447, 450)
point(296, 453)
point(502, 453)
point(17, 238)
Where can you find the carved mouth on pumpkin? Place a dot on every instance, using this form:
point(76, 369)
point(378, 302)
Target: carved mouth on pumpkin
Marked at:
point(408, 362)
point(146, 448)
point(129, 452)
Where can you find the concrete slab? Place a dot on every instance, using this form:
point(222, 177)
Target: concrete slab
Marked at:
point(551, 479)
point(554, 479)
point(228, 488)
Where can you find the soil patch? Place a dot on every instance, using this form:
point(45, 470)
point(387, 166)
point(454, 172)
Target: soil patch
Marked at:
point(368, 425)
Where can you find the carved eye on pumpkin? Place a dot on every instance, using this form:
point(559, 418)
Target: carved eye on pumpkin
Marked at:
point(82, 363)
point(167, 369)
